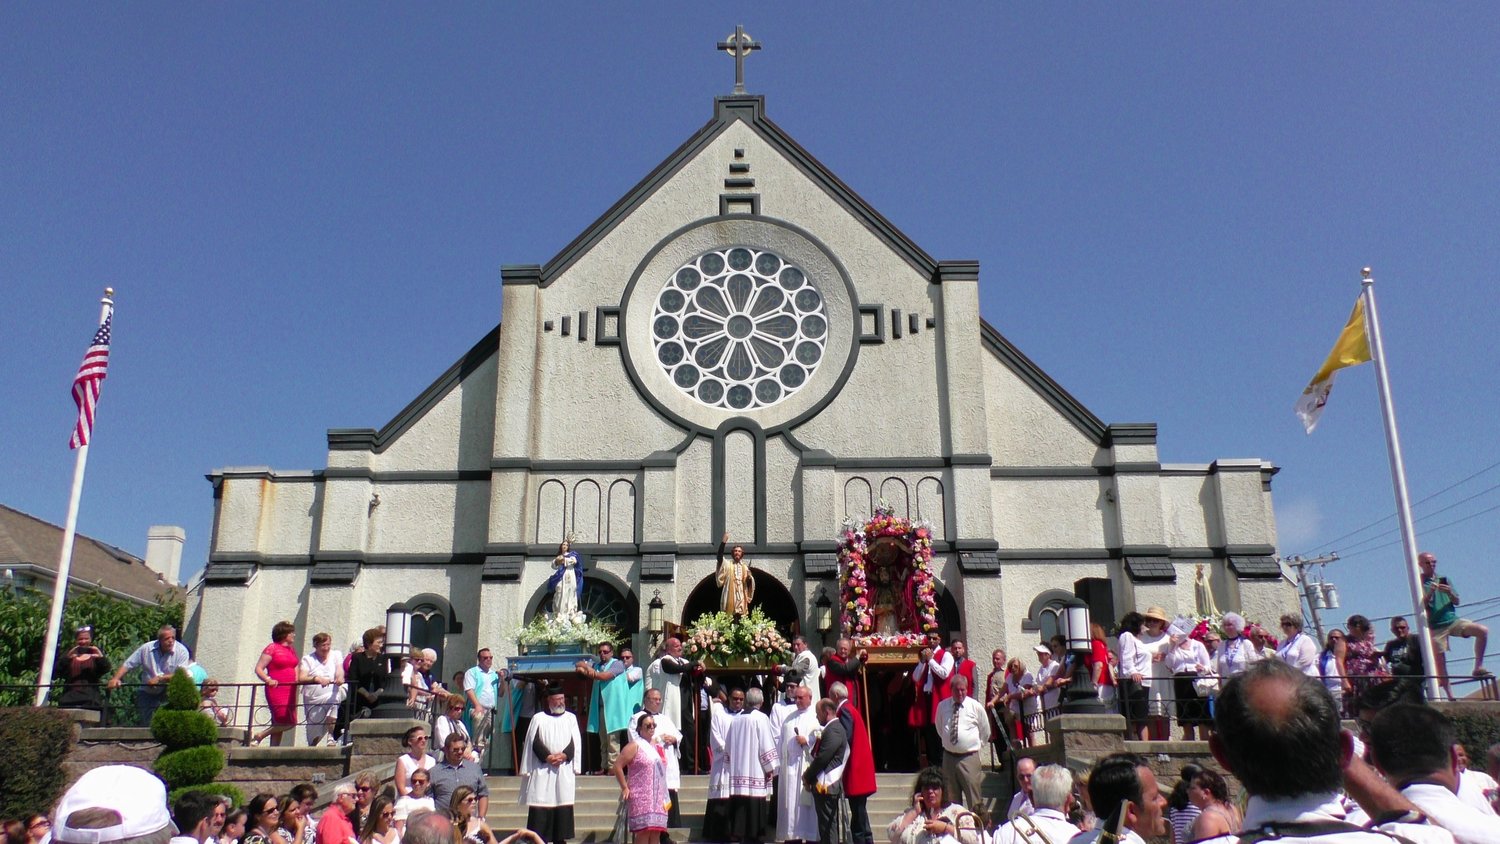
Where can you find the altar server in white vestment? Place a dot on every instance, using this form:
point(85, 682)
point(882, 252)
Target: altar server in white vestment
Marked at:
point(752, 761)
point(551, 760)
point(796, 819)
point(716, 812)
point(669, 738)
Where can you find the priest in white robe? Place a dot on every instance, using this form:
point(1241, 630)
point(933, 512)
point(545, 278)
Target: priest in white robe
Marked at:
point(550, 763)
point(803, 669)
point(667, 673)
point(722, 706)
point(752, 762)
point(669, 738)
point(796, 819)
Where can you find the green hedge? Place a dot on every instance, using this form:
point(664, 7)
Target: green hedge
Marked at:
point(36, 742)
point(1478, 726)
point(223, 789)
point(176, 730)
point(189, 766)
point(182, 693)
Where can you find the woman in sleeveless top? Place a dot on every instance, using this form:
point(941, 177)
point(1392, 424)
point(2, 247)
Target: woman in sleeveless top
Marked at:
point(1209, 792)
point(642, 773)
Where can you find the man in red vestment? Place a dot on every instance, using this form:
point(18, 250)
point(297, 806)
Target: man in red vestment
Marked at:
point(965, 667)
point(844, 666)
point(932, 675)
point(859, 771)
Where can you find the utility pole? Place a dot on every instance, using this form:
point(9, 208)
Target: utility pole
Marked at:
point(1317, 594)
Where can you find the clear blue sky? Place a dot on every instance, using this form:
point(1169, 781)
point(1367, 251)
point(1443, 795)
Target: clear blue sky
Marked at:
point(305, 209)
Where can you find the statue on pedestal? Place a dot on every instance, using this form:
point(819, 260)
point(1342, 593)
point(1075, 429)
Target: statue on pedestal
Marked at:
point(735, 580)
point(566, 582)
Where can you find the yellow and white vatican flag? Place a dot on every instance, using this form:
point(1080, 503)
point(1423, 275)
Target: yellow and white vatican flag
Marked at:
point(1351, 349)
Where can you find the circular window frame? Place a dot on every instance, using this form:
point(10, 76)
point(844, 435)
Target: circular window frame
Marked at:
point(739, 328)
point(824, 272)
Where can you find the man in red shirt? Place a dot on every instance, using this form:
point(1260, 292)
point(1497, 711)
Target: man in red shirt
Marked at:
point(844, 666)
point(334, 827)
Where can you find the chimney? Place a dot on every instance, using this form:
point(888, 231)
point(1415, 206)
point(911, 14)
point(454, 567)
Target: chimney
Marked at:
point(164, 550)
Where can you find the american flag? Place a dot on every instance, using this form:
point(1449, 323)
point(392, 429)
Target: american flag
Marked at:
point(86, 383)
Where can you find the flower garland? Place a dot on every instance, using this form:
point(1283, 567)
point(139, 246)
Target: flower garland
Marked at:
point(914, 570)
point(720, 637)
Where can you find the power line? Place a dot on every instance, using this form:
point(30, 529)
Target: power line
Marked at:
point(1426, 516)
point(1427, 530)
point(1378, 521)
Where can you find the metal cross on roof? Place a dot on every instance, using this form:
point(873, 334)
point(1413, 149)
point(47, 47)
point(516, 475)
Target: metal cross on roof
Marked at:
point(739, 45)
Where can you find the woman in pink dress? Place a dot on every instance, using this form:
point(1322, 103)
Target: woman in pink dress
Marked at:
point(644, 790)
point(277, 668)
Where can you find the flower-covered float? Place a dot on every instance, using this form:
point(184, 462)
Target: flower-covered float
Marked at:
point(887, 591)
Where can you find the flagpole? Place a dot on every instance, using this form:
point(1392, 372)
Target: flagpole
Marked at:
point(1398, 480)
point(65, 556)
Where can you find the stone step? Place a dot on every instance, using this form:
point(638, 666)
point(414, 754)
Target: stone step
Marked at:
point(598, 798)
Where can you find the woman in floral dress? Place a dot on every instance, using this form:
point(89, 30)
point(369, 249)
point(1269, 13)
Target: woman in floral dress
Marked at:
point(1363, 665)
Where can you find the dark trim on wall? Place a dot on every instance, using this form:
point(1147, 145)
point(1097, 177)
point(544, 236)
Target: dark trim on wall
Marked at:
point(728, 202)
point(718, 471)
point(1130, 433)
point(602, 315)
point(413, 476)
point(877, 312)
point(965, 270)
point(1050, 472)
point(521, 274)
point(367, 439)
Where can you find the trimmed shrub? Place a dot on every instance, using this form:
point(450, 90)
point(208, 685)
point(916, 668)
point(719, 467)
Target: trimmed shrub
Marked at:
point(222, 789)
point(189, 766)
point(182, 693)
point(191, 757)
point(1477, 724)
point(177, 730)
point(36, 742)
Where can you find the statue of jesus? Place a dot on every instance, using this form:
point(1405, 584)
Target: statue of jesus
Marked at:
point(736, 581)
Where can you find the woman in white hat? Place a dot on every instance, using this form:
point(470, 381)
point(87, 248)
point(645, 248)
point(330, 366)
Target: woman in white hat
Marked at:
point(1155, 641)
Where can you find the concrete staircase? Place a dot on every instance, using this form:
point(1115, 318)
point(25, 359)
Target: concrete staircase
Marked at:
point(598, 798)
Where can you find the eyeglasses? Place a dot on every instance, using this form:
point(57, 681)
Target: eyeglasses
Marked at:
point(648, 726)
point(389, 813)
point(362, 788)
point(418, 782)
point(470, 799)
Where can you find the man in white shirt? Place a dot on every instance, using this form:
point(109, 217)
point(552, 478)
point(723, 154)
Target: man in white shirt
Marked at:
point(1127, 799)
point(1278, 731)
point(1476, 788)
point(1047, 672)
point(805, 663)
point(964, 728)
point(1052, 793)
point(1413, 745)
point(1020, 802)
point(198, 816)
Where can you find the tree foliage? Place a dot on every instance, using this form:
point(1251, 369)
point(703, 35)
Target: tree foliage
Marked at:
point(120, 627)
point(36, 742)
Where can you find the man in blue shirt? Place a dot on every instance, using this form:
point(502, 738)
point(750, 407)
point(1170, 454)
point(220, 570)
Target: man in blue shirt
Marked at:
point(158, 661)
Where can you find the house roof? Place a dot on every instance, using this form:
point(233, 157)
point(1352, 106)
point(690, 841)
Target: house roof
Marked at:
point(26, 541)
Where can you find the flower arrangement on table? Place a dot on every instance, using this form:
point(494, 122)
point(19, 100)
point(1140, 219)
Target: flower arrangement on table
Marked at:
point(1214, 622)
point(918, 593)
point(545, 631)
point(720, 638)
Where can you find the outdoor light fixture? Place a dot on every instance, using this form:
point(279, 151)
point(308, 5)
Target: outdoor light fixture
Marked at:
point(824, 616)
point(397, 645)
point(1081, 696)
point(654, 613)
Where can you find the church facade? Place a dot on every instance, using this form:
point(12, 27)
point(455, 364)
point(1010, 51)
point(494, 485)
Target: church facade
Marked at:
point(743, 345)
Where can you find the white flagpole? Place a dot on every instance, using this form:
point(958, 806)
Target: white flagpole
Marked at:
point(1398, 480)
point(65, 556)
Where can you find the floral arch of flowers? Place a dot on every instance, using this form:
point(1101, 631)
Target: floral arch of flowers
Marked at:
point(912, 571)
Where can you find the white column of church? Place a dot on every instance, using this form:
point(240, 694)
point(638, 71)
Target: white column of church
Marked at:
point(511, 505)
point(1138, 512)
point(1244, 522)
point(968, 431)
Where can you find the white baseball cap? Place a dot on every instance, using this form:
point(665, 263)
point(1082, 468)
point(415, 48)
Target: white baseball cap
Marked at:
point(135, 794)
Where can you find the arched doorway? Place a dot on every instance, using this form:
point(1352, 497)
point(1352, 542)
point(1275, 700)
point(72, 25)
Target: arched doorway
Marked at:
point(605, 599)
point(771, 595)
point(431, 622)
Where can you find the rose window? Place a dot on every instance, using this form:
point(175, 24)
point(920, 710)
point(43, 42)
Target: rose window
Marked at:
point(739, 328)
